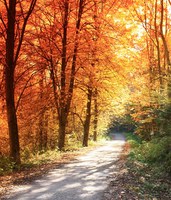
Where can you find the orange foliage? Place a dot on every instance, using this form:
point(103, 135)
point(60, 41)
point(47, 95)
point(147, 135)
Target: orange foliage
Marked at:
point(110, 47)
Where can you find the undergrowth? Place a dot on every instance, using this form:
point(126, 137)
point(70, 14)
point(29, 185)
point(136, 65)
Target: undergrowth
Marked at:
point(155, 153)
point(150, 163)
point(6, 165)
point(30, 158)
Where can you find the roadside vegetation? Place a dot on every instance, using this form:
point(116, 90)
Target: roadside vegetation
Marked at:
point(149, 165)
point(36, 164)
point(32, 160)
point(144, 169)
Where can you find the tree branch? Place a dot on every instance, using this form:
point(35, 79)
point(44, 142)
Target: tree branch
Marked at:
point(6, 5)
point(32, 5)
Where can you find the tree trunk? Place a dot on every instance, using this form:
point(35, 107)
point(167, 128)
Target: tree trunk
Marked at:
point(88, 118)
point(62, 113)
point(45, 135)
point(40, 134)
point(166, 52)
point(158, 50)
point(95, 116)
point(66, 96)
point(43, 126)
point(14, 34)
point(62, 130)
point(12, 118)
point(9, 84)
point(95, 130)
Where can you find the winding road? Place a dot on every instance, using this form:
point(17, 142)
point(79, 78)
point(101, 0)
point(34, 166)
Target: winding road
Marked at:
point(84, 178)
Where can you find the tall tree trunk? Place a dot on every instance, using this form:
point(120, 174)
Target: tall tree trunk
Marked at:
point(40, 132)
point(166, 51)
point(41, 116)
point(14, 38)
point(9, 84)
point(158, 50)
point(62, 130)
point(11, 116)
point(66, 96)
point(62, 101)
point(88, 118)
point(95, 116)
point(45, 135)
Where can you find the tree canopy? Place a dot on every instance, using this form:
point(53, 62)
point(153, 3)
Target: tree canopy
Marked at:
point(70, 68)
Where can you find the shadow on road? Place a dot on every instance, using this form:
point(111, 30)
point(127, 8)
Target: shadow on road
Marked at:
point(84, 178)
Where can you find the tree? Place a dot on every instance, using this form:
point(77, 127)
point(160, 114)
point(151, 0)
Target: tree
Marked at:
point(78, 58)
point(60, 56)
point(14, 26)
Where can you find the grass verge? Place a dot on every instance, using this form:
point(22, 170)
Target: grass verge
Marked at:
point(149, 164)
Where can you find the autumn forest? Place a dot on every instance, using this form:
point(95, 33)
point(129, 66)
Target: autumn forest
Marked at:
point(70, 69)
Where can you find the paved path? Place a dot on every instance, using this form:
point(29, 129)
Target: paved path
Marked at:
point(85, 178)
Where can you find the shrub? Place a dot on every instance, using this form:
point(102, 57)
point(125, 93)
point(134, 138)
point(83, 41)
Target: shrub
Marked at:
point(133, 139)
point(6, 165)
point(155, 152)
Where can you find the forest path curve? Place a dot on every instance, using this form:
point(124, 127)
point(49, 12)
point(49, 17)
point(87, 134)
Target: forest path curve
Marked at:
point(83, 178)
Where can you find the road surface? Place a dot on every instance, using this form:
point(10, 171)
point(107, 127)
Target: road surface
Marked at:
point(84, 178)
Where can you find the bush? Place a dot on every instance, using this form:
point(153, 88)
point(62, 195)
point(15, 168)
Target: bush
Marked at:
point(155, 152)
point(6, 165)
point(133, 139)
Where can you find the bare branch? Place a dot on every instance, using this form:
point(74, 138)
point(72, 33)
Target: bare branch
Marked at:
point(3, 21)
point(6, 5)
point(32, 5)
